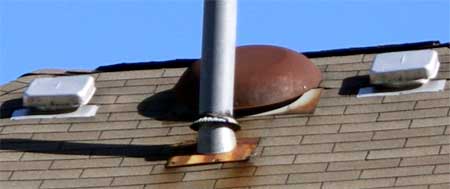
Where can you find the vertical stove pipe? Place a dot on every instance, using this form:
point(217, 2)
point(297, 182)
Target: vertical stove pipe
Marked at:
point(216, 127)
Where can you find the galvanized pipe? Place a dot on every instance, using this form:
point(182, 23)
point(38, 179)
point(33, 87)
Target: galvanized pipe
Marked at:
point(218, 57)
point(217, 77)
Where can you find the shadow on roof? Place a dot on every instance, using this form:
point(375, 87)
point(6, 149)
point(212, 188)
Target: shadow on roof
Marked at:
point(163, 106)
point(8, 107)
point(351, 85)
point(149, 152)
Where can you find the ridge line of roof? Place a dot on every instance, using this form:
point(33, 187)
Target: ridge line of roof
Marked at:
point(376, 49)
point(176, 63)
point(180, 63)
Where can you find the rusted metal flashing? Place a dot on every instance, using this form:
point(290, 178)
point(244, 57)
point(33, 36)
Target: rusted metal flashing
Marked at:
point(244, 149)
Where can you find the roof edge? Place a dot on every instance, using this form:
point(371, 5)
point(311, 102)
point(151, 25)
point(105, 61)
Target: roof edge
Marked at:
point(376, 49)
point(176, 63)
point(179, 63)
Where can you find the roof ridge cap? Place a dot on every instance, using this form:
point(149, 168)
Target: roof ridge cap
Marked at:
point(376, 49)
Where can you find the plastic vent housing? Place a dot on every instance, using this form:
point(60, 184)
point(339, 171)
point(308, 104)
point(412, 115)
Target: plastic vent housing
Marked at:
point(406, 68)
point(59, 92)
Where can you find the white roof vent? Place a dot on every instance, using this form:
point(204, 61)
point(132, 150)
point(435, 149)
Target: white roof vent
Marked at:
point(59, 92)
point(400, 69)
point(405, 72)
point(58, 97)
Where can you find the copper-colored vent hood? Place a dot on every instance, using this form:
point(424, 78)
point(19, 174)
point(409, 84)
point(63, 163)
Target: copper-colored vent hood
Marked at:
point(266, 77)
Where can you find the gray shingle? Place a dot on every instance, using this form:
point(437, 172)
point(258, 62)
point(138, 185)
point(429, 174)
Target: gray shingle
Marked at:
point(337, 60)
point(433, 103)
point(103, 126)
point(403, 152)
point(361, 118)
point(218, 174)
point(134, 133)
point(297, 149)
point(288, 169)
point(100, 100)
point(32, 156)
point(36, 128)
point(130, 75)
point(276, 141)
point(423, 179)
point(442, 168)
point(364, 164)
point(348, 100)
point(126, 90)
point(152, 81)
point(406, 133)
point(397, 172)
point(348, 67)
point(272, 160)
point(12, 86)
point(369, 145)
point(334, 110)
point(424, 113)
point(86, 163)
point(371, 183)
point(251, 181)
point(440, 186)
point(20, 184)
point(149, 179)
point(132, 98)
point(290, 186)
point(24, 165)
point(100, 117)
point(4, 175)
point(65, 183)
point(323, 177)
point(375, 126)
point(357, 109)
point(176, 72)
point(116, 171)
point(430, 122)
point(46, 174)
point(182, 185)
point(10, 156)
point(425, 160)
point(330, 157)
point(118, 108)
point(114, 83)
point(428, 141)
point(338, 75)
point(88, 135)
point(332, 138)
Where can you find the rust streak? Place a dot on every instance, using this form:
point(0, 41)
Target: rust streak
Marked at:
point(242, 152)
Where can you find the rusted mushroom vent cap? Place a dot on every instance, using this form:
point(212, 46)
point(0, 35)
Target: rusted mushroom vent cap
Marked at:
point(266, 77)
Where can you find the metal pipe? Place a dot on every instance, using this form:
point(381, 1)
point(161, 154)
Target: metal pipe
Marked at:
point(218, 57)
point(216, 133)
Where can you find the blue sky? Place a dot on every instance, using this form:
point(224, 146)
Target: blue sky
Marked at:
point(85, 34)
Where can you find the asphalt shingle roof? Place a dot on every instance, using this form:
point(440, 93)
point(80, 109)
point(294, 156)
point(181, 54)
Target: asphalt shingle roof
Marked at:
point(376, 142)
